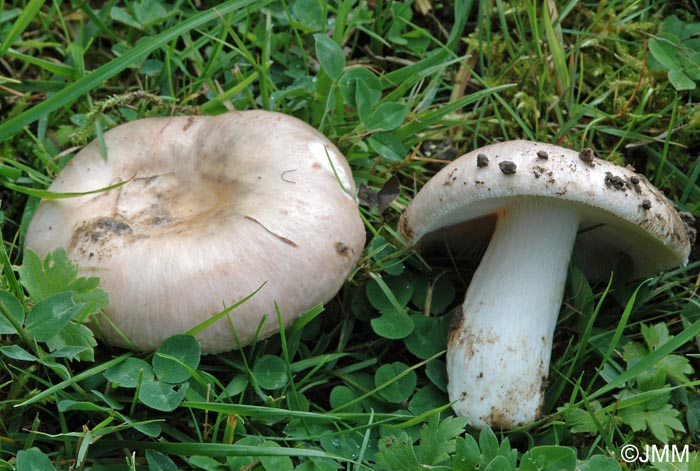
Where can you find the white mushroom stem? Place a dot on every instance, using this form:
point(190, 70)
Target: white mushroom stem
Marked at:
point(498, 355)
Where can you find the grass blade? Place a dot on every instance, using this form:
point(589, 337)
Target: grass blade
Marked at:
point(74, 380)
point(24, 19)
point(257, 411)
point(112, 68)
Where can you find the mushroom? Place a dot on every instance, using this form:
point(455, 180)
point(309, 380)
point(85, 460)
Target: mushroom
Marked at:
point(537, 214)
point(212, 209)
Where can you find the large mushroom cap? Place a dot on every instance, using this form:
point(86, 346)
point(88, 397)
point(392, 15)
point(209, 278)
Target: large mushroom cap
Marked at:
point(214, 208)
point(535, 204)
point(621, 213)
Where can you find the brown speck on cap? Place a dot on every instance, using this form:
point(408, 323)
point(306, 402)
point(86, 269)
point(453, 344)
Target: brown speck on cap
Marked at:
point(541, 154)
point(482, 160)
point(614, 182)
point(646, 204)
point(634, 183)
point(342, 249)
point(451, 178)
point(507, 167)
point(586, 155)
point(189, 123)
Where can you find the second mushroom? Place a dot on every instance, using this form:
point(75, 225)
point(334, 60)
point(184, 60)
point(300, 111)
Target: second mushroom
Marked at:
point(538, 204)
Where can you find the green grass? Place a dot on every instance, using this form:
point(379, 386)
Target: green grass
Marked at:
point(361, 384)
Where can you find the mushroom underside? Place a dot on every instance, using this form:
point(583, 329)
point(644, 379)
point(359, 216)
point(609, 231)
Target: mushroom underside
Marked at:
point(603, 239)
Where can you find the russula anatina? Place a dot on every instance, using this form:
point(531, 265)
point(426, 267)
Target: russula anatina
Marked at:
point(538, 203)
point(212, 209)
